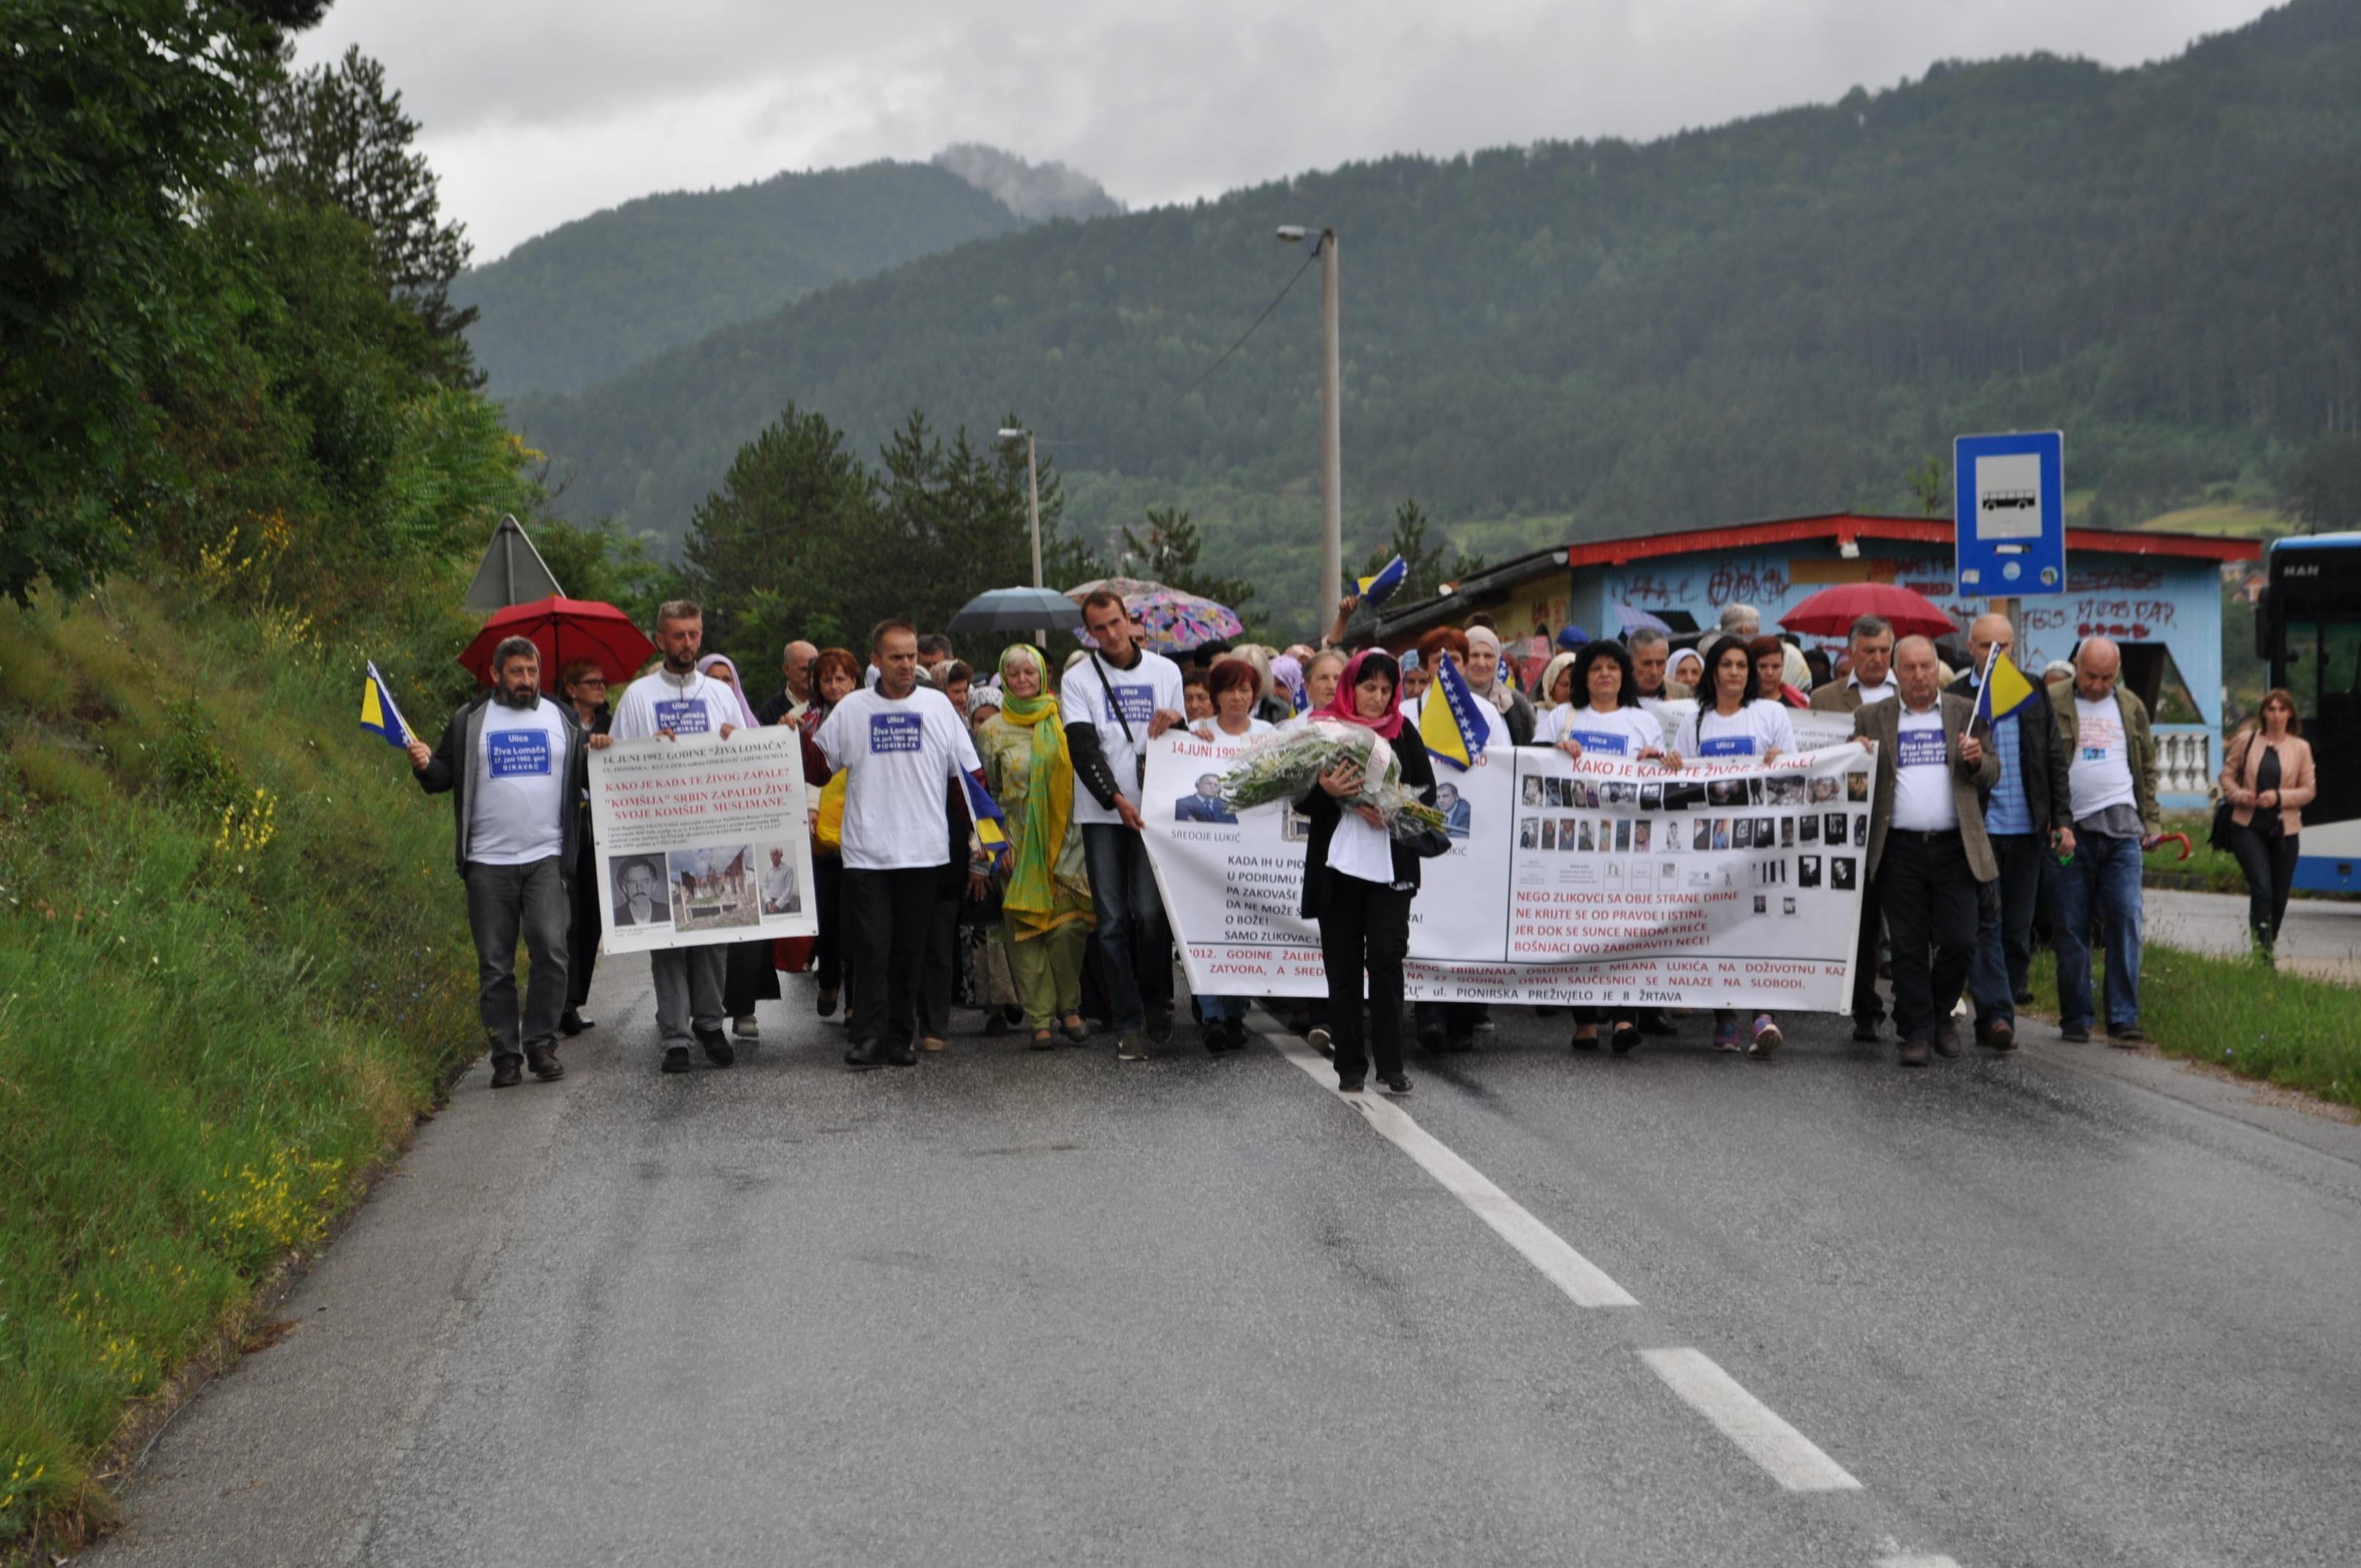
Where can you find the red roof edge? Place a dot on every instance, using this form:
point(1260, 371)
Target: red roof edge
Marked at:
point(1846, 526)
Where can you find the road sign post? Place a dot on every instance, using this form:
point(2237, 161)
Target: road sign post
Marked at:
point(2009, 500)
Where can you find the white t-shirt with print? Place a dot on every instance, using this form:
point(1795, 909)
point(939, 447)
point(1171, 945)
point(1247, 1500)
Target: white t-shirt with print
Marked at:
point(1152, 683)
point(2099, 775)
point(901, 756)
point(686, 704)
point(1621, 732)
point(516, 802)
point(1922, 774)
point(1757, 729)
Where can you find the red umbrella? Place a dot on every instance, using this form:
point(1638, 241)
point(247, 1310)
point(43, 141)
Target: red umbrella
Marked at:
point(563, 630)
point(1831, 611)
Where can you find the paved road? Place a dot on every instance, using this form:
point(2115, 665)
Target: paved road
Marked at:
point(2319, 937)
point(2071, 1308)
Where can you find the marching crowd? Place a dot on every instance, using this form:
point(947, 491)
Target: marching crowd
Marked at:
point(1986, 826)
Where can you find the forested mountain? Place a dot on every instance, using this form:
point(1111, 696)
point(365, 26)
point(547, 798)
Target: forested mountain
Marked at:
point(1783, 314)
point(592, 297)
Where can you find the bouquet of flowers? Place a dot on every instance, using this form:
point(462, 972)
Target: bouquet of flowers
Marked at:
point(1286, 763)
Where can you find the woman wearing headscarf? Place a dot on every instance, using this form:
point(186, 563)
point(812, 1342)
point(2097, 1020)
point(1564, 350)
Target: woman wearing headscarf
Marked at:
point(1686, 667)
point(1556, 688)
point(1489, 682)
point(1358, 880)
point(748, 975)
point(1287, 685)
point(1045, 903)
point(835, 675)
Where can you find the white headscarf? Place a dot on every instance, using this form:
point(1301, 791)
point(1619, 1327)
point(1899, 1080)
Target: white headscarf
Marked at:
point(1501, 693)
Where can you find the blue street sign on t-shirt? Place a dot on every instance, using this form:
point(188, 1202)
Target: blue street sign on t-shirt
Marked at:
point(896, 732)
point(518, 753)
point(1600, 741)
point(1920, 748)
point(1137, 704)
point(1726, 746)
point(682, 716)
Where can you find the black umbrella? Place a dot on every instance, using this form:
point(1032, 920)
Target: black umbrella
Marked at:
point(1017, 609)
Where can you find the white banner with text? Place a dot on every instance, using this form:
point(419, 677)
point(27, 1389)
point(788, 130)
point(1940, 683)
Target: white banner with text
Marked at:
point(1603, 882)
point(702, 839)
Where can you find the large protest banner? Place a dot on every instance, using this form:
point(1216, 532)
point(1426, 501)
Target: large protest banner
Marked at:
point(702, 839)
point(1603, 882)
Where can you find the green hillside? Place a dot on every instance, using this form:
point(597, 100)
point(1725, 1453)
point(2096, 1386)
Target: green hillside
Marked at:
point(591, 297)
point(1781, 314)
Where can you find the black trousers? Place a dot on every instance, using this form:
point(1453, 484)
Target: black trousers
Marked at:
point(589, 921)
point(1933, 905)
point(1867, 1005)
point(748, 976)
point(939, 964)
point(1364, 926)
point(2268, 861)
point(828, 902)
point(885, 915)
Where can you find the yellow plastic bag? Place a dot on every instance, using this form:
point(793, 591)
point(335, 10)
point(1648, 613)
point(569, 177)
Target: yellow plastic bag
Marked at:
point(830, 829)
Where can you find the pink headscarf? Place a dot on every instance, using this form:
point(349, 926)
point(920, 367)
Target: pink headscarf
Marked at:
point(1340, 707)
point(736, 684)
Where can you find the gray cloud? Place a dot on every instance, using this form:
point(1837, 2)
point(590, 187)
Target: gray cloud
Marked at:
point(536, 112)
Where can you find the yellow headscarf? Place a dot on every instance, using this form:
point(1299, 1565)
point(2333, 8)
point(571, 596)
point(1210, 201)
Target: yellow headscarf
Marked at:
point(1049, 802)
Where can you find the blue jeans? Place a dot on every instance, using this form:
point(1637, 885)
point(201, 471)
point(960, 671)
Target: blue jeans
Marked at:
point(1134, 938)
point(2005, 934)
point(504, 903)
point(2104, 880)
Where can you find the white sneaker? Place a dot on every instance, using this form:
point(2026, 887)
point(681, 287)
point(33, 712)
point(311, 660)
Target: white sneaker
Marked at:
point(745, 1029)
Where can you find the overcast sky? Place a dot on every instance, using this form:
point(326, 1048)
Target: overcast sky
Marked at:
point(538, 111)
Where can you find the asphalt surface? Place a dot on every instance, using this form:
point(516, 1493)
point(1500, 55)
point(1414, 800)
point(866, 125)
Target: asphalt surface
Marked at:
point(2070, 1307)
point(2320, 937)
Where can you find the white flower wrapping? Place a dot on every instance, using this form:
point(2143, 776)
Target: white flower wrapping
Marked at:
point(1286, 765)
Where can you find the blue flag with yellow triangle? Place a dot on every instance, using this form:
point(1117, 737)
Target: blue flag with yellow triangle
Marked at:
point(378, 712)
point(1447, 720)
point(1380, 587)
point(2002, 690)
point(991, 822)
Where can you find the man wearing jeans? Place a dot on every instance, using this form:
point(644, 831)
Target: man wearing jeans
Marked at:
point(514, 764)
point(1114, 702)
point(667, 703)
point(2026, 817)
point(2110, 775)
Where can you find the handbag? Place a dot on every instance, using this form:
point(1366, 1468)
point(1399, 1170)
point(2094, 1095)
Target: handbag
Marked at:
point(1431, 843)
point(2218, 836)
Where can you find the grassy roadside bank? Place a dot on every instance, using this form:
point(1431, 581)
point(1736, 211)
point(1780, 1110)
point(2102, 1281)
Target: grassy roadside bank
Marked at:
point(233, 966)
point(2286, 1029)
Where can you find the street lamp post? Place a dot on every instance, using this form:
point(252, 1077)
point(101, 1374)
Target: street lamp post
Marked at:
point(1032, 497)
point(1332, 443)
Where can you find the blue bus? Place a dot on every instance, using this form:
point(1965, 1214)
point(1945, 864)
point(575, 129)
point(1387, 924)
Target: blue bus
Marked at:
point(2307, 629)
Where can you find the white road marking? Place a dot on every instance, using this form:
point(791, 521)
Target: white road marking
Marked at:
point(1585, 1283)
point(1914, 1559)
point(1787, 1456)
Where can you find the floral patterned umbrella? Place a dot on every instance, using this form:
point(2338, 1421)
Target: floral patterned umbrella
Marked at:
point(1175, 621)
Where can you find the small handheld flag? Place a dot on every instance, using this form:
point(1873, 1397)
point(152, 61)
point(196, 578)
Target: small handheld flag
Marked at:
point(1447, 720)
point(1379, 588)
point(2002, 690)
point(378, 712)
point(991, 822)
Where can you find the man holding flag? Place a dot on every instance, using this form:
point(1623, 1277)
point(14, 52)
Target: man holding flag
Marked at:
point(2027, 817)
point(898, 744)
point(514, 764)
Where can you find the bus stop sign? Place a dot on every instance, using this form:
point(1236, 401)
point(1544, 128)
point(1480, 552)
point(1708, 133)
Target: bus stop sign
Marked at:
point(2009, 494)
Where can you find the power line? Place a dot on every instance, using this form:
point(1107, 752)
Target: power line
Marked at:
point(1241, 342)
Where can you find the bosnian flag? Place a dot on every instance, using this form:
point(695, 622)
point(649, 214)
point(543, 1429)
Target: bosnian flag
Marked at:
point(378, 712)
point(1376, 589)
point(2002, 690)
point(1447, 720)
point(991, 822)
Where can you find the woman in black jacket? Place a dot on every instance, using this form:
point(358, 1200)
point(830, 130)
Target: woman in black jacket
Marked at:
point(1358, 880)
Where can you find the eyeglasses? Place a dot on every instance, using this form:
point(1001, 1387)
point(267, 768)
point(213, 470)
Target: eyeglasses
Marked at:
point(599, 681)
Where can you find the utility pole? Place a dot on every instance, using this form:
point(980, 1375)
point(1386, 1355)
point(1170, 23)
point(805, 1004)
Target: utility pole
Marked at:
point(1033, 504)
point(1331, 444)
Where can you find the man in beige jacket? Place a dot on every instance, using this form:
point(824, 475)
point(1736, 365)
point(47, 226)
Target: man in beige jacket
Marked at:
point(1928, 852)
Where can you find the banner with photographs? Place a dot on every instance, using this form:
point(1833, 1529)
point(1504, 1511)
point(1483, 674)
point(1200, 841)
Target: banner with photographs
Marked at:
point(1605, 882)
point(702, 839)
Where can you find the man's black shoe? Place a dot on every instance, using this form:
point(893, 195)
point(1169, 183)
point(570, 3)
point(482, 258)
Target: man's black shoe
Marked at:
point(2124, 1037)
point(1397, 1085)
point(2079, 1037)
point(1431, 1039)
point(1947, 1039)
point(573, 1023)
point(2000, 1034)
point(718, 1049)
point(1654, 1022)
point(2025, 999)
point(1159, 1023)
point(507, 1071)
point(545, 1063)
point(1865, 1031)
point(675, 1058)
point(1349, 1086)
point(1625, 1038)
point(1461, 1043)
point(901, 1056)
point(1914, 1052)
point(866, 1057)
